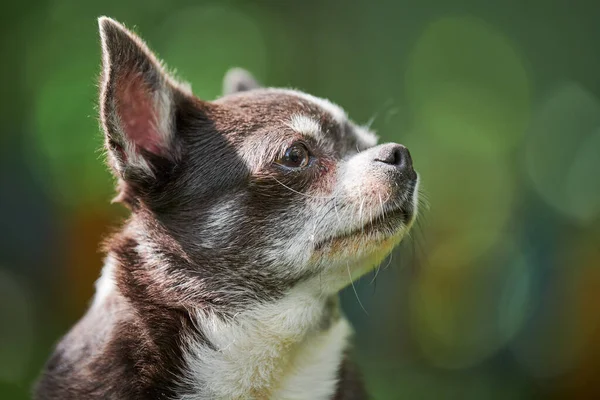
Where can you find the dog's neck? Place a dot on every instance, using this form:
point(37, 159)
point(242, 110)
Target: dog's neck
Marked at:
point(284, 349)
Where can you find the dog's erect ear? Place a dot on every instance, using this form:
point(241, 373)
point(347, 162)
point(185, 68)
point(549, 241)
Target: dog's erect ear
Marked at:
point(238, 80)
point(137, 103)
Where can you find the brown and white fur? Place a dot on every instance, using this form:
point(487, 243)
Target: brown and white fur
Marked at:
point(248, 215)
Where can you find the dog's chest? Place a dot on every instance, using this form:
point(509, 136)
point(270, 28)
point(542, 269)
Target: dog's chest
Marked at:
point(314, 372)
point(255, 363)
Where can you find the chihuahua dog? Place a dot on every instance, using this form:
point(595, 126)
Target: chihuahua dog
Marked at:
point(248, 215)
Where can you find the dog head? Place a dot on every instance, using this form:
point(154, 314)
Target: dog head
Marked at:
point(246, 196)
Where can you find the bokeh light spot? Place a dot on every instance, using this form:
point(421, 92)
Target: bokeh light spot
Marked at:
point(16, 328)
point(561, 337)
point(203, 42)
point(563, 152)
point(582, 180)
point(470, 196)
point(467, 84)
point(462, 314)
point(64, 148)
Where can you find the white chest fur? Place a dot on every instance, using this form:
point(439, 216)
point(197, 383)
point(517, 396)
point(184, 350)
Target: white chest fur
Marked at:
point(277, 351)
point(314, 372)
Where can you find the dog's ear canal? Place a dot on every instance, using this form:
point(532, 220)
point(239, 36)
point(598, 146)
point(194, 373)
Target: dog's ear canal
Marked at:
point(138, 104)
point(239, 80)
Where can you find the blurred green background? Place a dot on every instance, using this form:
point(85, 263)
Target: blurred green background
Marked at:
point(497, 293)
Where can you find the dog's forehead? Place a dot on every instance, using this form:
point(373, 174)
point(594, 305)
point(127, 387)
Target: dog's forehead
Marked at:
point(265, 108)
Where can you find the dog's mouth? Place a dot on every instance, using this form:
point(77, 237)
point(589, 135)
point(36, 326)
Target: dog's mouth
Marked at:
point(384, 225)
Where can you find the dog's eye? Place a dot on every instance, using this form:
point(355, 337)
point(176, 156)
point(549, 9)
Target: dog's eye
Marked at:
point(296, 156)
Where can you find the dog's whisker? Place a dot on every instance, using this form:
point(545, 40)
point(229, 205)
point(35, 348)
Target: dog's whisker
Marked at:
point(391, 257)
point(354, 289)
point(382, 209)
point(336, 212)
point(360, 216)
point(300, 193)
point(376, 273)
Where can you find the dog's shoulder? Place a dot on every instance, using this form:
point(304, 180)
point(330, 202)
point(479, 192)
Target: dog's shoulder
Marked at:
point(108, 354)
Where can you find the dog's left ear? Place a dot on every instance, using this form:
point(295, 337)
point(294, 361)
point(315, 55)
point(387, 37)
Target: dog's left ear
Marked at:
point(238, 80)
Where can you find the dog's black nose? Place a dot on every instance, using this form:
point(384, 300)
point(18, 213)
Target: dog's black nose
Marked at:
point(395, 155)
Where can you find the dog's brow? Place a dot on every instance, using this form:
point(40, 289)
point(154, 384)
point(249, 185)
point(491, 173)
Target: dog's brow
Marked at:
point(305, 125)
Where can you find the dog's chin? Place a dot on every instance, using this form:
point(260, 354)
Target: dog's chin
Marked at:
point(354, 252)
point(348, 258)
point(392, 224)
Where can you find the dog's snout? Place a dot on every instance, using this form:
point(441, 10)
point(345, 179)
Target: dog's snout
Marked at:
point(395, 155)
